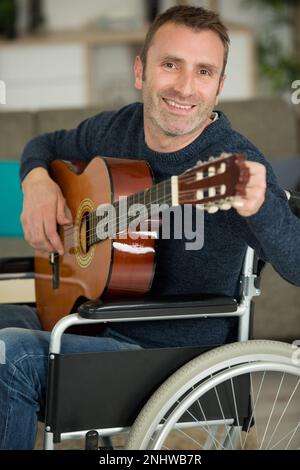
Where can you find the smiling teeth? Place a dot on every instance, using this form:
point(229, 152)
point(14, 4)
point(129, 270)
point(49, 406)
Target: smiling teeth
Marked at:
point(172, 103)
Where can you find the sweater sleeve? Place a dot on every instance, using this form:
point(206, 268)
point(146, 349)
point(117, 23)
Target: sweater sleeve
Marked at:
point(274, 231)
point(75, 144)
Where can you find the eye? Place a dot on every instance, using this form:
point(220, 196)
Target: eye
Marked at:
point(204, 72)
point(169, 65)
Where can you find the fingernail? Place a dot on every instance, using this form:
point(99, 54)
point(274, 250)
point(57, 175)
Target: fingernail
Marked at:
point(238, 204)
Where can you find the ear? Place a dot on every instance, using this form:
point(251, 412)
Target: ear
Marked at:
point(138, 73)
point(221, 85)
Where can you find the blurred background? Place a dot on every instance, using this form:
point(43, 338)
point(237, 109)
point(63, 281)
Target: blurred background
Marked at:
point(58, 53)
point(64, 60)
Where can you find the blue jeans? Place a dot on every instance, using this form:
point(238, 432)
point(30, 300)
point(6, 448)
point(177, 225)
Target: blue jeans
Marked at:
point(23, 370)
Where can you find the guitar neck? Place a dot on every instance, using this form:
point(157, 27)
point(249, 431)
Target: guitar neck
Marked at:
point(141, 204)
point(211, 184)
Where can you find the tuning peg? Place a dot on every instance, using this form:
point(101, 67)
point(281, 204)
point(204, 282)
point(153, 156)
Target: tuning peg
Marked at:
point(199, 162)
point(225, 205)
point(199, 175)
point(211, 207)
point(211, 159)
point(225, 155)
point(222, 168)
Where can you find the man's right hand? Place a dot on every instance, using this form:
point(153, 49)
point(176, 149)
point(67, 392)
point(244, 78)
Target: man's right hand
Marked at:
point(44, 207)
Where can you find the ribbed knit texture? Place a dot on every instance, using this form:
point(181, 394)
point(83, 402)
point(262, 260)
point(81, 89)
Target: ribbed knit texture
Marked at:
point(274, 232)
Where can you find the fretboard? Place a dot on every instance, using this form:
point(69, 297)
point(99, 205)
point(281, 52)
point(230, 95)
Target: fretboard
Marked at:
point(148, 202)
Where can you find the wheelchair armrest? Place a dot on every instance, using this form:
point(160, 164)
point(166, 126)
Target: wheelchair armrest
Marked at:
point(149, 307)
point(16, 267)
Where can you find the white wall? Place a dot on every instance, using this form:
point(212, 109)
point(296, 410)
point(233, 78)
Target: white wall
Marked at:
point(113, 76)
point(68, 14)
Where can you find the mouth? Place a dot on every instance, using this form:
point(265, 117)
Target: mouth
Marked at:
point(175, 106)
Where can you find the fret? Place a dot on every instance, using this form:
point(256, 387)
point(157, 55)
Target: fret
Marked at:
point(121, 209)
point(117, 217)
point(158, 194)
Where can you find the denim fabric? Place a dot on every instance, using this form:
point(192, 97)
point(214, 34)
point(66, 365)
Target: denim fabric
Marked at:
point(23, 370)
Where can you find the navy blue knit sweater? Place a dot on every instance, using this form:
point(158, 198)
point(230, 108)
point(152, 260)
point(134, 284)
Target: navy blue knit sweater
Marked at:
point(274, 232)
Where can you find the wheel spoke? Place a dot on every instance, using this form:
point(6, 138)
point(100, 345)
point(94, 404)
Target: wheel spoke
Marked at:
point(223, 416)
point(236, 412)
point(254, 408)
point(224, 386)
point(282, 414)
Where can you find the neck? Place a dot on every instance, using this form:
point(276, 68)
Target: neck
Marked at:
point(150, 202)
point(160, 142)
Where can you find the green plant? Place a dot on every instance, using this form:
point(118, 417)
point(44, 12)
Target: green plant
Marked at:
point(279, 66)
point(7, 17)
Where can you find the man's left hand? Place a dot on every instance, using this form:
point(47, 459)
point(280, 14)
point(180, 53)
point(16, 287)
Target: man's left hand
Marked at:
point(255, 190)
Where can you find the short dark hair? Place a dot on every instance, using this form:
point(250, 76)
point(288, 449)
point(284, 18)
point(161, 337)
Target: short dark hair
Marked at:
point(196, 18)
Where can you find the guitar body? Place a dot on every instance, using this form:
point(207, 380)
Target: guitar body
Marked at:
point(118, 267)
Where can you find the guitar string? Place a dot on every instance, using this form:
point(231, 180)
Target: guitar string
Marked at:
point(183, 179)
point(67, 246)
point(69, 231)
point(93, 230)
point(183, 193)
point(122, 218)
point(158, 186)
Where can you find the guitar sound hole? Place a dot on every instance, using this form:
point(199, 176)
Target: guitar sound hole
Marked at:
point(85, 239)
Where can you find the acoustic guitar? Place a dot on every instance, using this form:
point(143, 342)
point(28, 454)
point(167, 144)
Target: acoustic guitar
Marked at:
point(102, 257)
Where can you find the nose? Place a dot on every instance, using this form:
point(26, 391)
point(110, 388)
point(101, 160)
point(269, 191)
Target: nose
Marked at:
point(185, 84)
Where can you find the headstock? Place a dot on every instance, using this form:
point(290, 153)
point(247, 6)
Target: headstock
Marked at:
point(213, 182)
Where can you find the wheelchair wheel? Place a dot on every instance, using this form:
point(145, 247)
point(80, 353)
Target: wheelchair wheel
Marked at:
point(238, 396)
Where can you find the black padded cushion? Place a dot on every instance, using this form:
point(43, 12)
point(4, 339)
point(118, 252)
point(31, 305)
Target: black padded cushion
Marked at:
point(174, 305)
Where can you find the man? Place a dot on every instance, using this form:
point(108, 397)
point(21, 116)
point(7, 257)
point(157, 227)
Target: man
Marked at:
point(181, 75)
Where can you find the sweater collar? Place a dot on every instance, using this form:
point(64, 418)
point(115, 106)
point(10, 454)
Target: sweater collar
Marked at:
point(210, 135)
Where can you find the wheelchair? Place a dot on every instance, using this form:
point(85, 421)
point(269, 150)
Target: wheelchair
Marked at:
point(243, 395)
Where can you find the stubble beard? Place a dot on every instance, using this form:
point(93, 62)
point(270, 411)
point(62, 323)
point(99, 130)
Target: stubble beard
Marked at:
point(166, 123)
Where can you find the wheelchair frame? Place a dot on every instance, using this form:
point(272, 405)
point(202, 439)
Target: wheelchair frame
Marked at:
point(95, 312)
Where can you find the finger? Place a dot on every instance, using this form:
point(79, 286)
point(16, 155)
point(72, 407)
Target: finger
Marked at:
point(44, 246)
point(37, 239)
point(68, 214)
point(64, 215)
point(50, 228)
point(256, 170)
point(249, 191)
point(237, 202)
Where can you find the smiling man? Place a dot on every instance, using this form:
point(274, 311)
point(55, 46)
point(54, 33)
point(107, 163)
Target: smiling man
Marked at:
point(180, 73)
point(180, 80)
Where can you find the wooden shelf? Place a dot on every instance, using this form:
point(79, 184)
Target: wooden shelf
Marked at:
point(82, 36)
point(94, 37)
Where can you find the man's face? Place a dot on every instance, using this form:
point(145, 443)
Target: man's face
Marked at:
point(182, 79)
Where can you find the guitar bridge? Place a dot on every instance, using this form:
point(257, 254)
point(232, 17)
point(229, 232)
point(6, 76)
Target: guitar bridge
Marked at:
point(54, 261)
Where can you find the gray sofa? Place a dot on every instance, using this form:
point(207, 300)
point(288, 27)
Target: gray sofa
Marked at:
point(269, 123)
